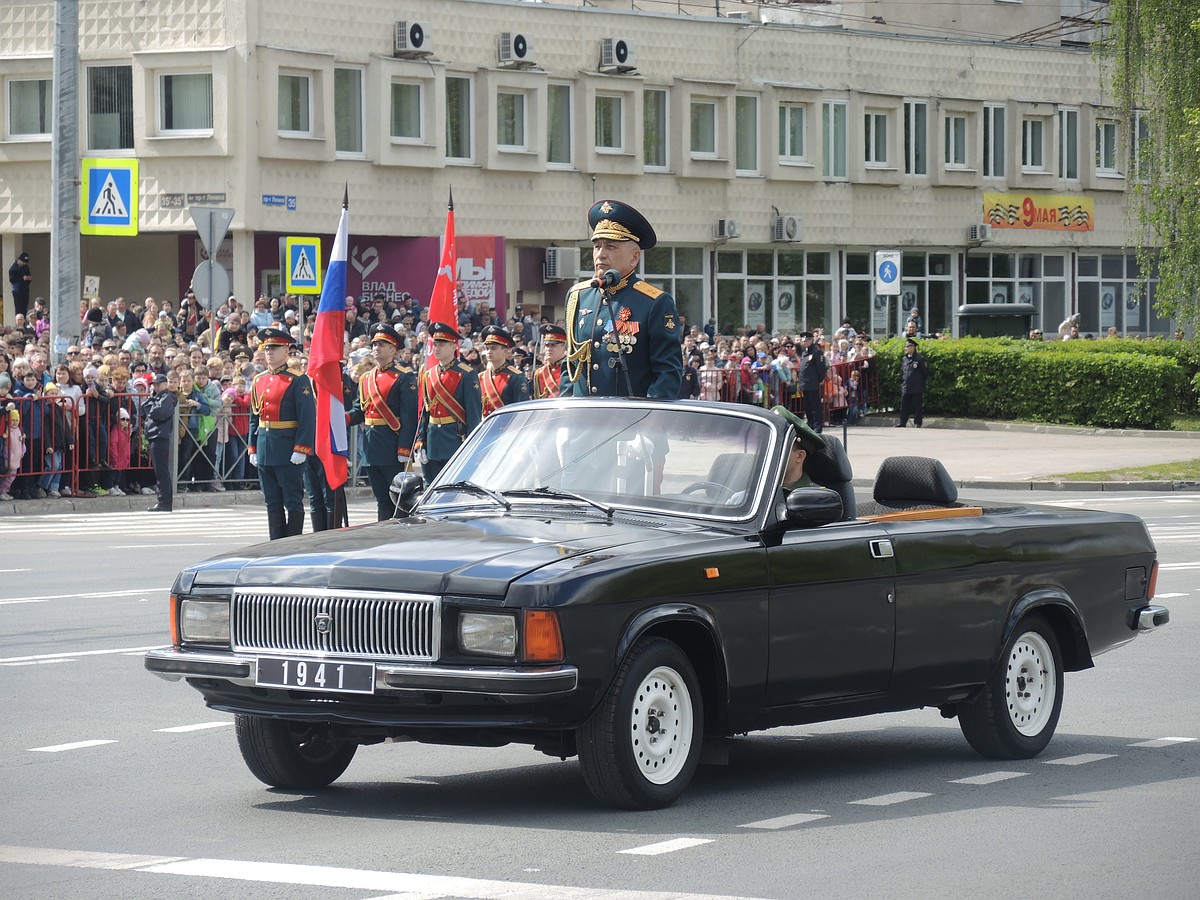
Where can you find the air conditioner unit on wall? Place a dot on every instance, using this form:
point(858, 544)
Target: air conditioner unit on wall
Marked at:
point(978, 233)
point(411, 40)
point(514, 50)
point(561, 263)
point(728, 228)
point(617, 55)
point(787, 228)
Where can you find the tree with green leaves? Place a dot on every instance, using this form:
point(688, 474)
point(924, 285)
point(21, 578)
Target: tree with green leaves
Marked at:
point(1152, 55)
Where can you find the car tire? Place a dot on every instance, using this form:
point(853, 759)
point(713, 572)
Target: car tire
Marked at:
point(1015, 715)
point(640, 748)
point(287, 754)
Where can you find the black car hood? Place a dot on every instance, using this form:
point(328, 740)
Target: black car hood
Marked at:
point(473, 555)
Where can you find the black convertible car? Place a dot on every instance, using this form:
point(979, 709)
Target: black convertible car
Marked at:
point(626, 580)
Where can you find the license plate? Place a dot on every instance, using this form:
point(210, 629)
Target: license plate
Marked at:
point(316, 675)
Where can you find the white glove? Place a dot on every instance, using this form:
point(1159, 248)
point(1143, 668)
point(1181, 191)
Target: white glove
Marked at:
point(402, 458)
point(298, 458)
point(422, 457)
point(254, 460)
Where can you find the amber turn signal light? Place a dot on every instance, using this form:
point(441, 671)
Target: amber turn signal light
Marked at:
point(175, 621)
point(541, 641)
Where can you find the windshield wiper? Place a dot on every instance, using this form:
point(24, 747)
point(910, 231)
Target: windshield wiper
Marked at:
point(473, 488)
point(554, 493)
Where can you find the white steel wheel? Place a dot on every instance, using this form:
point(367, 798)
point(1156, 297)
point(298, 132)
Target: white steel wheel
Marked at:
point(1030, 684)
point(660, 725)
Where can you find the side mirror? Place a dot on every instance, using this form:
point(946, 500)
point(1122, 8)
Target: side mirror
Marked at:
point(404, 490)
point(811, 507)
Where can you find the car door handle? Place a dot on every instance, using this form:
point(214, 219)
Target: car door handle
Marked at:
point(882, 549)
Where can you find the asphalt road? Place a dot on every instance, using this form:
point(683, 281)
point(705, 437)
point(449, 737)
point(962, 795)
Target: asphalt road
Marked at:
point(120, 785)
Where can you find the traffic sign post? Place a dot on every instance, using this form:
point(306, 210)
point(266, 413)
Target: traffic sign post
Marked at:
point(109, 197)
point(210, 281)
point(887, 273)
point(302, 265)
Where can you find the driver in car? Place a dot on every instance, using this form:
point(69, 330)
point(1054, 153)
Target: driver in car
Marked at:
point(807, 441)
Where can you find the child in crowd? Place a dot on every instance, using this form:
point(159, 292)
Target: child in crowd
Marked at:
point(12, 442)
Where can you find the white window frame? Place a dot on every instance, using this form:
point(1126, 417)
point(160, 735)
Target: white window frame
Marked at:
point(663, 129)
point(1141, 140)
point(1033, 138)
point(1068, 150)
point(520, 121)
point(833, 111)
point(788, 153)
point(616, 119)
point(955, 146)
point(569, 126)
point(47, 113)
point(161, 104)
point(875, 139)
point(338, 111)
point(995, 140)
point(916, 138)
point(406, 83)
point(307, 78)
point(467, 119)
point(751, 133)
point(701, 104)
point(1108, 137)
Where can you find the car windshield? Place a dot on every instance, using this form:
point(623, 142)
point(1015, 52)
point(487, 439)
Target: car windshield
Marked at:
point(686, 459)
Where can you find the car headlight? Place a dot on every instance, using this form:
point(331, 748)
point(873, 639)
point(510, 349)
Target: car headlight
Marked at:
point(204, 621)
point(494, 635)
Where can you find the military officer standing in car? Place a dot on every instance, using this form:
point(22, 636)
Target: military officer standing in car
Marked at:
point(450, 397)
point(547, 377)
point(501, 383)
point(386, 406)
point(282, 430)
point(623, 340)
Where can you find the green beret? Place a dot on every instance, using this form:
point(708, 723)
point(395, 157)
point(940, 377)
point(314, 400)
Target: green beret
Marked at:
point(809, 439)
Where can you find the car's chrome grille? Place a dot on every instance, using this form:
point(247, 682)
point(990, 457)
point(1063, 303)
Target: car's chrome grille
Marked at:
point(345, 623)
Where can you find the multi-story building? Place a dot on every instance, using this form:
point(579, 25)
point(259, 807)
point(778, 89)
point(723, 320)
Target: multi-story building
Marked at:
point(774, 154)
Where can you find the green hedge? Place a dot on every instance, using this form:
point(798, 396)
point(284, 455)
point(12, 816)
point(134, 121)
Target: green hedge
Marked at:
point(1099, 383)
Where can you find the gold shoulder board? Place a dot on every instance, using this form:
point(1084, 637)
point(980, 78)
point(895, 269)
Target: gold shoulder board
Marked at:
point(649, 290)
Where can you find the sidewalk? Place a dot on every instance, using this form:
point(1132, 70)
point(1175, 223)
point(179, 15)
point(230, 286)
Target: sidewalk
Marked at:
point(992, 455)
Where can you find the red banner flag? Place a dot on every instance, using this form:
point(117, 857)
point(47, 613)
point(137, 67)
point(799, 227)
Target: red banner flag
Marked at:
point(443, 306)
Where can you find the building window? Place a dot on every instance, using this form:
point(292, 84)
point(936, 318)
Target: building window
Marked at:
point(185, 102)
point(406, 111)
point(834, 117)
point(30, 109)
point(1033, 157)
point(787, 290)
point(295, 104)
point(875, 139)
point(1141, 146)
point(1035, 278)
point(993, 141)
point(746, 122)
point(704, 128)
point(558, 125)
point(680, 271)
point(610, 122)
point(459, 143)
point(916, 137)
point(1068, 144)
point(792, 147)
point(348, 111)
point(1114, 291)
point(1106, 147)
point(510, 120)
point(654, 129)
point(956, 142)
point(110, 108)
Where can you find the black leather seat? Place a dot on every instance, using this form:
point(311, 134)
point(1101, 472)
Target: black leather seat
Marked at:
point(910, 482)
point(830, 468)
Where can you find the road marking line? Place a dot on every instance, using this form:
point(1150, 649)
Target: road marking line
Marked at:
point(1178, 566)
point(1169, 596)
point(890, 799)
point(181, 729)
point(38, 662)
point(78, 745)
point(1164, 742)
point(1081, 760)
point(86, 596)
point(126, 650)
point(164, 546)
point(80, 859)
point(5, 571)
point(666, 846)
point(988, 778)
point(785, 821)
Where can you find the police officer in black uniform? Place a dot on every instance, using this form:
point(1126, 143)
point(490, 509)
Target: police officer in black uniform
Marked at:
point(622, 341)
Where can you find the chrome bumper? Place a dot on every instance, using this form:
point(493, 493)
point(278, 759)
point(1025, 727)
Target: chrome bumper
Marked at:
point(1150, 617)
point(492, 681)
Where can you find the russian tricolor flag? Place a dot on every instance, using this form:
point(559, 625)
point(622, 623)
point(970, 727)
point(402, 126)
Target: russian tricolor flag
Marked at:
point(325, 359)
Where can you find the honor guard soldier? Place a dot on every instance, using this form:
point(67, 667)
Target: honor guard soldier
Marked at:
point(450, 394)
point(501, 383)
point(547, 378)
point(622, 333)
point(282, 429)
point(386, 406)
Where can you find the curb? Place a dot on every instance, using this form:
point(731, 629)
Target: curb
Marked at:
point(139, 502)
point(888, 421)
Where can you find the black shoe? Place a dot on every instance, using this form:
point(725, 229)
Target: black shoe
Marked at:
point(917, 424)
point(157, 508)
point(897, 425)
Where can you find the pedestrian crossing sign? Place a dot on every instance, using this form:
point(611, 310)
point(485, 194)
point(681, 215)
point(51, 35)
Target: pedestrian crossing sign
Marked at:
point(109, 197)
point(303, 272)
